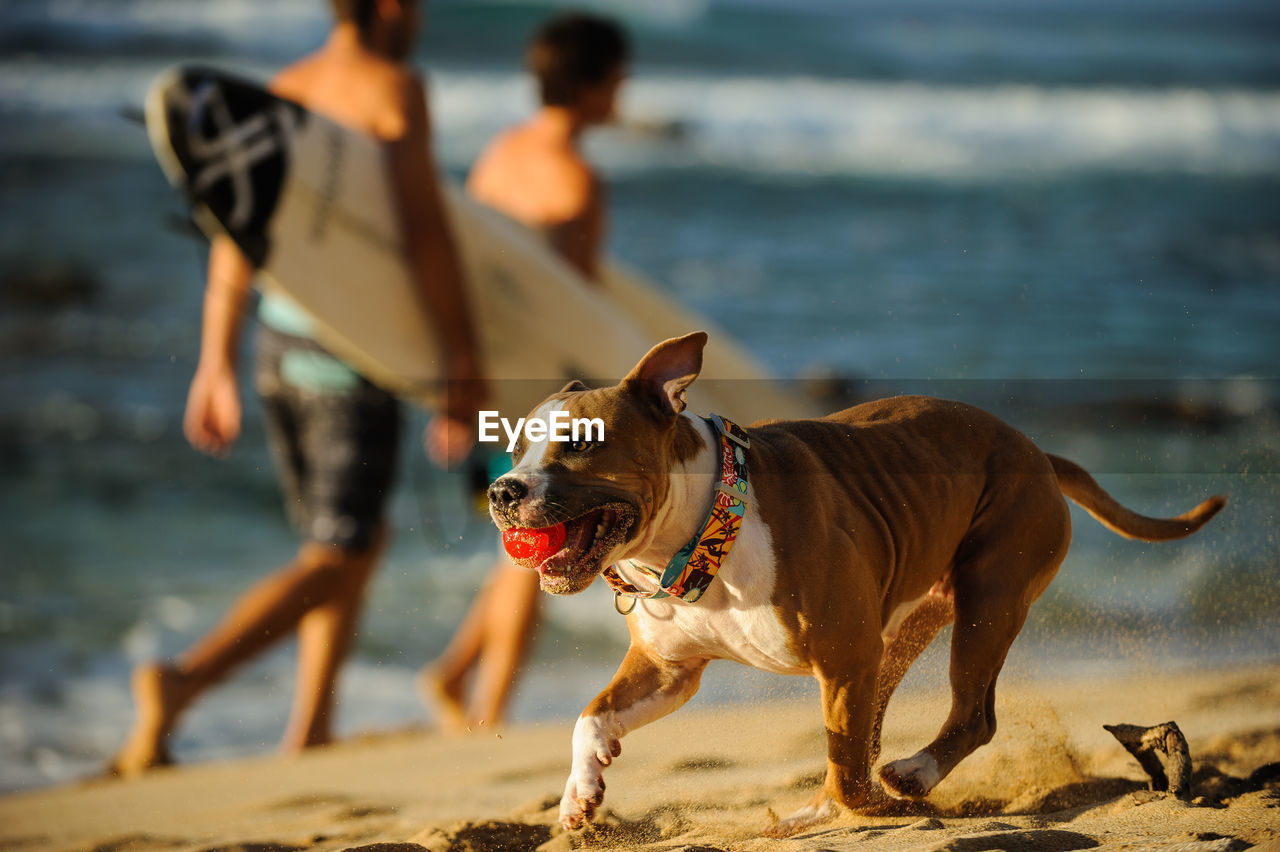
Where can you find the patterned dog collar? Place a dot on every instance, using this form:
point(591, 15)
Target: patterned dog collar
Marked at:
point(691, 570)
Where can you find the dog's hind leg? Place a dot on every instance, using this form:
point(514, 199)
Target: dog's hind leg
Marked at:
point(980, 642)
point(1012, 550)
point(1006, 567)
point(919, 629)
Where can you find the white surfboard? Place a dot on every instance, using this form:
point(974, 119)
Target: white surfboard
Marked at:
point(309, 202)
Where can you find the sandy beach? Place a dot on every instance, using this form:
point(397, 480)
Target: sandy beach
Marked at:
point(707, 779)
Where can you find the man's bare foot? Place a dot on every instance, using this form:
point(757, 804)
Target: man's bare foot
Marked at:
point(159, 694)
point(443, 697)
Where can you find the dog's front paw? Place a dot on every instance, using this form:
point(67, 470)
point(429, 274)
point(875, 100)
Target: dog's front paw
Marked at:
point(822, 809)
point(581, 798)
point(593, 749)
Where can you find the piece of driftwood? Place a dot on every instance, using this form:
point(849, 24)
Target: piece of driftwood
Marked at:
point(1147, 744)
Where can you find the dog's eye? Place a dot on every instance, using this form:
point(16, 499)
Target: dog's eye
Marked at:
point(579, 446)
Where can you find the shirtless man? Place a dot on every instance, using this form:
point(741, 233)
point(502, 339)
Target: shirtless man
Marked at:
point(333, 433)
point(536, 173)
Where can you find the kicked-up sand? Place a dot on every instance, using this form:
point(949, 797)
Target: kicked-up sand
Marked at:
point(708, 778)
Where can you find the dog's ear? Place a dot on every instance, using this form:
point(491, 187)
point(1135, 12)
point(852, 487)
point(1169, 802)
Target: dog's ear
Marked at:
point(663, 375)
point(573, 387)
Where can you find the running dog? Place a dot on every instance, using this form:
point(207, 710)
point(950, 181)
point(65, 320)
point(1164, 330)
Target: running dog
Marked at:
point(835, 547)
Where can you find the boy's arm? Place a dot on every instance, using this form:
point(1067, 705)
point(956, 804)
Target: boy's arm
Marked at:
point(433, 257)
point(212, 419)
point(581, 239)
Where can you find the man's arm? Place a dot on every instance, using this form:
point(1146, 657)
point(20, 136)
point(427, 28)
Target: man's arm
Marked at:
point(212, 419)
point(433, 257)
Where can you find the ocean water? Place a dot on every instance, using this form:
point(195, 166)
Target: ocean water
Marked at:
point(1067, 212)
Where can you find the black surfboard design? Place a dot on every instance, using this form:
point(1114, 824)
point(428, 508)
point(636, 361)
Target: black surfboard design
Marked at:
point(231, 138)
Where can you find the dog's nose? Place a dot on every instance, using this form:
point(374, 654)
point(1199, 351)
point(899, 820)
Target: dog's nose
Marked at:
point(507, 492)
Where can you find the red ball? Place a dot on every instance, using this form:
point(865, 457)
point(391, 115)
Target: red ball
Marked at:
point(537, 544)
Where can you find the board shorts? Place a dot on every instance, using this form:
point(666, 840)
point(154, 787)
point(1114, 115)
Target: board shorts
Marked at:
point(334, 437)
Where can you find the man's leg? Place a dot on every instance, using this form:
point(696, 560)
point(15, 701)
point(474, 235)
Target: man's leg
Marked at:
point(268, 611)
point(335, 454)
point(325, 634)
point(348, 441)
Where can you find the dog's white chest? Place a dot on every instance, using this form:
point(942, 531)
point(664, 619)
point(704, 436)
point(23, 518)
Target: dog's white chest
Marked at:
point(735, 619)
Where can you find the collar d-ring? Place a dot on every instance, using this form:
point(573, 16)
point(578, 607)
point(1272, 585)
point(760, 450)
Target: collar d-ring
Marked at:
point(617, 603)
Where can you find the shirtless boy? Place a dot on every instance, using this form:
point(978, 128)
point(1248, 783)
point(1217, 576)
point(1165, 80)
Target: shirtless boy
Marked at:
point(536, 173)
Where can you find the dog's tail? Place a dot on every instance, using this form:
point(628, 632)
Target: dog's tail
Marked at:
point(1077, 484)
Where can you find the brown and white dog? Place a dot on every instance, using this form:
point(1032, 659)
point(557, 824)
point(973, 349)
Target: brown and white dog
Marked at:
point(865, 533)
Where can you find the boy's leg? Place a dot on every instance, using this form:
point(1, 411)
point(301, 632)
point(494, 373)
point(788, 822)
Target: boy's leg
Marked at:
point(481, 640)
point(442, 683)
point(511, 613)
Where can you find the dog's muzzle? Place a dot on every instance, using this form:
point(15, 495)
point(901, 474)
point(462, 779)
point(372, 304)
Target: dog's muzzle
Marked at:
point(506, 494)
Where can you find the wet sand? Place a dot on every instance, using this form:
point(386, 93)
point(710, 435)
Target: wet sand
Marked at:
point(707, 779)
